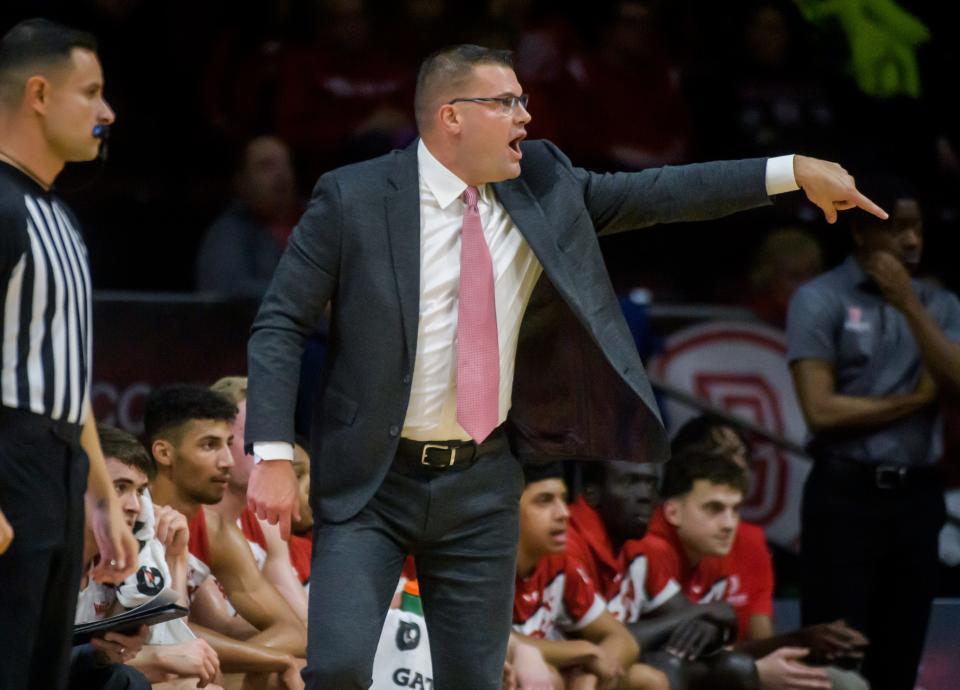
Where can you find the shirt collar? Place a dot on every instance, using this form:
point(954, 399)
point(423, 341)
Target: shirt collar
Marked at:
point(443, 184)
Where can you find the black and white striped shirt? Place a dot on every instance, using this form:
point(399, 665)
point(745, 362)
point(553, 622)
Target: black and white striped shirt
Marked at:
point(45, 302)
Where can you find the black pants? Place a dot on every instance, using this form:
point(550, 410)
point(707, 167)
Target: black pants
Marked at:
point(461, 525)
point(869, 556)
point(87, 674)
point(43, 477)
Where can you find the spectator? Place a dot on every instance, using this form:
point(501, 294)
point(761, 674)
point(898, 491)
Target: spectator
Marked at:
point(787, 258)
point(630, 84)
point(869, 350)
point(189, 431)
point(340, 97)
point(766, 93)
point(556, 607)
point(271, 552)
point(240, 250)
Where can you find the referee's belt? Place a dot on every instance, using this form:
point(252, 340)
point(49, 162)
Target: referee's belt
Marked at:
point(442, 455)
point(880, 475)
point(67, 432)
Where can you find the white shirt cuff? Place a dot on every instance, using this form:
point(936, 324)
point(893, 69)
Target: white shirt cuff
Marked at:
point(278, 450)
point(780, 177)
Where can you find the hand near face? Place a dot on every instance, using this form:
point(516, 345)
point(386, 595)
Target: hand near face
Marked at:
point(116, 545)
point(831, 188)
point(172, 531)
point(892, 278)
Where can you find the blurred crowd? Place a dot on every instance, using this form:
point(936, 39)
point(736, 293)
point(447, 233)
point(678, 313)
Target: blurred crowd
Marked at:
point(616, 84)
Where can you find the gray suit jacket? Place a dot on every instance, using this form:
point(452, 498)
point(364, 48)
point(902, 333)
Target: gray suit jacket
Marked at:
point(580, 390)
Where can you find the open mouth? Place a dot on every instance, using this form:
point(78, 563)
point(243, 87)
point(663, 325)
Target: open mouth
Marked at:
point(514, 146)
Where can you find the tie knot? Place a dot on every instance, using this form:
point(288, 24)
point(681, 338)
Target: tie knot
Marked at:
point(470, 197)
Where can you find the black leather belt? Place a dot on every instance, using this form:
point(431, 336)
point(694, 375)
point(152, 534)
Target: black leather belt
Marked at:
point(882, 476)
point(12, 418)
point(442, 455)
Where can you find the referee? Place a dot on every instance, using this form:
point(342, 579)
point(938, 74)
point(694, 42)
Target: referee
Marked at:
point(51, 98)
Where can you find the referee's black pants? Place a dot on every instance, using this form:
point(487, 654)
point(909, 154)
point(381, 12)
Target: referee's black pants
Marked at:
point(43, 477)
point(869, 556)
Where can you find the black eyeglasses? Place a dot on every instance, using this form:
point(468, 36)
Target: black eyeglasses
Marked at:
point(506, 104)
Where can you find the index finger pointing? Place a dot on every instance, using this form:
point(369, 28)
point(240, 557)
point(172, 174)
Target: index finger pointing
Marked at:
point(868, 206)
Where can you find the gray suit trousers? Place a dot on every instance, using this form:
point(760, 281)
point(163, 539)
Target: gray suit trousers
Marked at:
point(461, 524)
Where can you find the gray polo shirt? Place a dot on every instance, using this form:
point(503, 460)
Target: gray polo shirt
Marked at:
point(842, 318)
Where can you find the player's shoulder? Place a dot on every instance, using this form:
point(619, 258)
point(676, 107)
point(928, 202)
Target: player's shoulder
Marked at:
point(651, 546)
point(751, 535)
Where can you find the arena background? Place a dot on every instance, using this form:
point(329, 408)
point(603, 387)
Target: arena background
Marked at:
point(618, 85)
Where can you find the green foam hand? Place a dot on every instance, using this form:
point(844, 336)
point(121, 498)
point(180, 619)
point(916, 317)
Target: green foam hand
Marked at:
point(883, 40)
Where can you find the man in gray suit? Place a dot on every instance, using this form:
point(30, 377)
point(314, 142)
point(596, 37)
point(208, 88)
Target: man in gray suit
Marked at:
point(472, 324)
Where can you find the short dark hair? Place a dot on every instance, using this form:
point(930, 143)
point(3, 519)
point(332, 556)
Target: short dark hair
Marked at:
point(32, 45)
point(541, 471)
point(593, 472)
point(698, 433)
point(448, 67)
point(118, 444)
point(685, 468)
point(170, 407)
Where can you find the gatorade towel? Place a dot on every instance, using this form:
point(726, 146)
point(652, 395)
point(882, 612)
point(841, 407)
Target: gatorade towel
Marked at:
point(403, 655)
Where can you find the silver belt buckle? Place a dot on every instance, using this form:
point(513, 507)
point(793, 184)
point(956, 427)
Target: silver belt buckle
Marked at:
point(885, 476)
point(428, 446)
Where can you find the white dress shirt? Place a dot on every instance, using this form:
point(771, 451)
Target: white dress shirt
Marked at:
point(432, 411)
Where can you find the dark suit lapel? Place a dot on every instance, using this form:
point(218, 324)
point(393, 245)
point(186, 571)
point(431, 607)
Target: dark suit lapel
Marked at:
point(403, 233)
point(528, 216)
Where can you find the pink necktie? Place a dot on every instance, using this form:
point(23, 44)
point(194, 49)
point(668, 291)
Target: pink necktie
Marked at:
point(478, 352)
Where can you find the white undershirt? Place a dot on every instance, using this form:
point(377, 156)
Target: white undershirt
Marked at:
point(431, 414)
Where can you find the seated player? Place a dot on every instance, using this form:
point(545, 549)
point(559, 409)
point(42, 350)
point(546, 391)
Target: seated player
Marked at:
point(271, 552)
point(690, 538)
point(189, 431)
point(162, 537)
point(682, 639)
point(752, 576)
point(556, 608)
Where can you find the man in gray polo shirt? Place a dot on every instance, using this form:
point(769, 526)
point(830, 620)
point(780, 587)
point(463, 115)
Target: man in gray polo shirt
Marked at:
point(869, 349)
